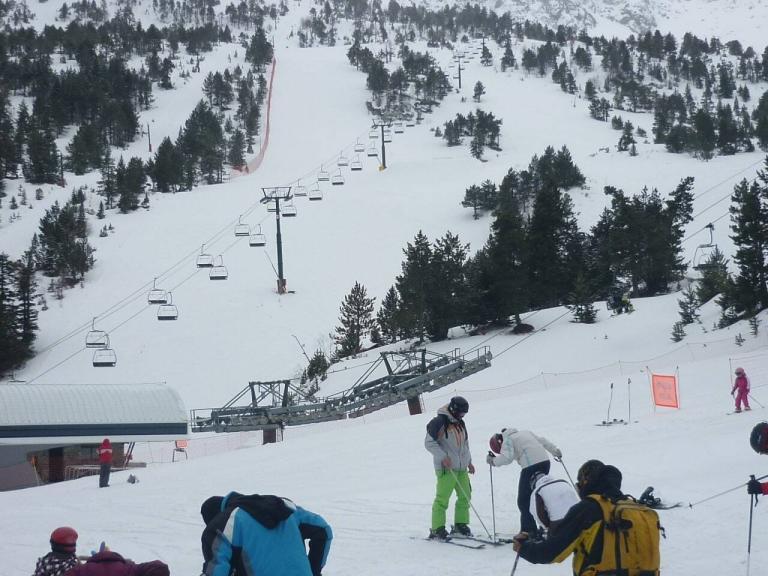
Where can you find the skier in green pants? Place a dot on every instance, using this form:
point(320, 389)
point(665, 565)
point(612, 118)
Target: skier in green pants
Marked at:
point(447, 441)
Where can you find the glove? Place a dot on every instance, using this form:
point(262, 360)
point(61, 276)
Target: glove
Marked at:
point(518, 539)
point(754, 487)
point(471, 468)
point(446, 462)
point(558, 453)
point(489, 459)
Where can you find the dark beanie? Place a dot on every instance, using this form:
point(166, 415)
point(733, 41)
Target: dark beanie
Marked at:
point(210, 508)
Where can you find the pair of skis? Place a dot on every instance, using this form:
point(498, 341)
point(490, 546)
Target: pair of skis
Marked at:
point(473, 542)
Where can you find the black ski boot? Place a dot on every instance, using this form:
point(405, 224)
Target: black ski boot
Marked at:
point(438, 534)
point(461, 530)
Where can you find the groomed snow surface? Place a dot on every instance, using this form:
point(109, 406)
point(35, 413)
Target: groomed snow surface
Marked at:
point(371, 478)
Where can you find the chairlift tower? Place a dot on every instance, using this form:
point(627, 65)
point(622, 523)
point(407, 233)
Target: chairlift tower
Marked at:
point(276, 194)
point(458, 58)
point(383, 124)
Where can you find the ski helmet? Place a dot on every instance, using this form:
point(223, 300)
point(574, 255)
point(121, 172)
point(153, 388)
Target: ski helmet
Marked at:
point(739, 371)
point(758, 439)
point(458, 406)
point(64, 539)
point(495, 443)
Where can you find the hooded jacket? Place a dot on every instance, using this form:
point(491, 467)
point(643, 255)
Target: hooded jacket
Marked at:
point(105, 452)
point(447, 436)
point(110, 563)
point(578, 522)
point(525, 448)
point(264, 536)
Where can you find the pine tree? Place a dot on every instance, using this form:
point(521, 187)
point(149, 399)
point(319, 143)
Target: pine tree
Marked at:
point(26, 291)
point(478, 91)
point(237, 149)
point(581, 301)
point(749, 223)
point(318, 366)
point(551, 235)
point(689, 305)
point(678, 332)
point(107, 185)
point(10, 349)
point(501, 278)
point(356, 318)
point(508, 59)
point(627, 139)
point(472, 199)
point(446, 295)
point(760, 116)
point(413, 285)
point(388, 317)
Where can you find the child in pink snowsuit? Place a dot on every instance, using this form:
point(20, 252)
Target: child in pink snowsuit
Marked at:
point(742, 385)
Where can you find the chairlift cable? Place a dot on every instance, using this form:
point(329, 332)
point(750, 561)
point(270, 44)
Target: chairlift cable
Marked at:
point(726, 179)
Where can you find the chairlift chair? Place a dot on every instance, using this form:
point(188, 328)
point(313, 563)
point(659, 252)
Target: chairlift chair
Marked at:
point(410, 123)
point(399, 128)
point(387, 137)
point(323, 175)
point(257, 238)
point(359, 146)
point(299, 190)
point(356, 165)
point(338, 179)
point(219, 271)
point(704, 251)
point(168, 311)
point(372, 150)
point(315, 193)
point(105, 356)
point(156, 295)
point(342, 161)
point(289, 211)
point(204, 260)
point(96, 338)
point(242, 229)
point(373, 134)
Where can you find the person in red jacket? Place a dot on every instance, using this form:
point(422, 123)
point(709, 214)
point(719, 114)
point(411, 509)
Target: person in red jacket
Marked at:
point(105, 461)
point(108, 563)
point(758, 439)
point(741, 388)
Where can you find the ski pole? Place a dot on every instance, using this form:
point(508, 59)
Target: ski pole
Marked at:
point(752, 504)
point(629, 401)
point(493, 504)
point(514, 566)
point(723, 493)
point(756, 400)
point(469, 499)
point(566, 471)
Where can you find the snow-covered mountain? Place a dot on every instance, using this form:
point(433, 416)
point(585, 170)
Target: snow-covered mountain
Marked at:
point(726, 19)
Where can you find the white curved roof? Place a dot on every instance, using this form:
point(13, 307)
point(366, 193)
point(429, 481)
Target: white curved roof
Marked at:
point(77, 410)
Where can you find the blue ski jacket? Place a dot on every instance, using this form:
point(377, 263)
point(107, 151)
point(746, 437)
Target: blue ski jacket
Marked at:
point(264, 536)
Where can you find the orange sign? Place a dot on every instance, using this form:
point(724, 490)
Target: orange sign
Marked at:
point(664, 390)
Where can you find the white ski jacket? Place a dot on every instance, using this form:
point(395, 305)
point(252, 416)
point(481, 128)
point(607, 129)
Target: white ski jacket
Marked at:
point(525, 448)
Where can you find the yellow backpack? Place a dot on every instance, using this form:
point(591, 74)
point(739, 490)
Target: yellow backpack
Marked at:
point(631, 535)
